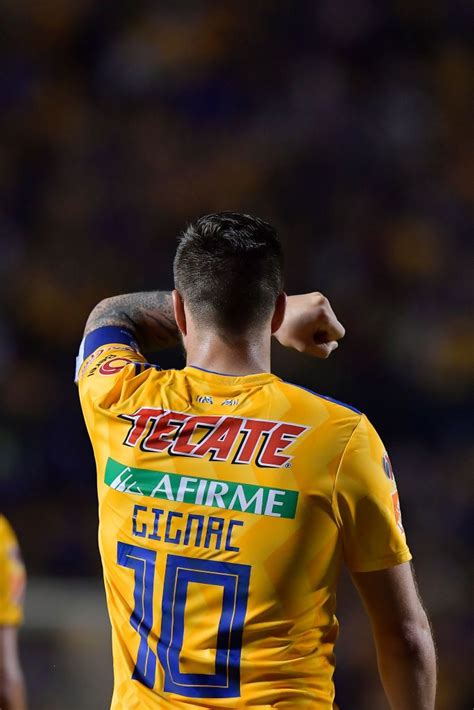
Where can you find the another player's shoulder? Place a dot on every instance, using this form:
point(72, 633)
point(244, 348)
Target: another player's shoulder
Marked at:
point(313, 401)
point(6, 531)
point(12, 576)
point(9, 547)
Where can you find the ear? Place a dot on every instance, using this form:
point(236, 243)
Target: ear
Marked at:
point(279, 312)
point(179, 312)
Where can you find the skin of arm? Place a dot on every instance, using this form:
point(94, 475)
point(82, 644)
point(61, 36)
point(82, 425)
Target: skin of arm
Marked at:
point(12, 686)
point(309, 324)
point(402, 635)
point(148, 315)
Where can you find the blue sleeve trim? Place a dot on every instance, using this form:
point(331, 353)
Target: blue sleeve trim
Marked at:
point(322, 396)
point(105, 336)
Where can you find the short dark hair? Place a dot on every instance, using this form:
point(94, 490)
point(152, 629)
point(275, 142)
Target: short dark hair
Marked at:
point(229, 270)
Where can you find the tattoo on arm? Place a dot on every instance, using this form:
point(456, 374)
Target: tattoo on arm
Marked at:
point(148, 315)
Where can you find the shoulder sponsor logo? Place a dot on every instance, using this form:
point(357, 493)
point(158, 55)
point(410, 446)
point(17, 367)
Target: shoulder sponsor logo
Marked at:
point(218, 438)
point(109, 364)
point(228, 495)
point(387, 467)
point(397, 511)
point(111, 367)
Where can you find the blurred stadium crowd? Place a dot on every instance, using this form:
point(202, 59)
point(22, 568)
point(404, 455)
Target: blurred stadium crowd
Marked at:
point(347, 123)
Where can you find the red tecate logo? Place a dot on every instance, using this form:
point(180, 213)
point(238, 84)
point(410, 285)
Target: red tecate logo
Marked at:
point(240, 440)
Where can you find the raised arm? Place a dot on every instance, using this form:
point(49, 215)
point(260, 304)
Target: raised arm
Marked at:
point(148, 315)
point(405, 649)
point(310, 325)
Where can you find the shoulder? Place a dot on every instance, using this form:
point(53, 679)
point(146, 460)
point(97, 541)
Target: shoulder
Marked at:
point(308, 397)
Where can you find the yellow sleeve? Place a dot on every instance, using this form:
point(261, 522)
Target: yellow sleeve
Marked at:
point(12, 577)
point(107, 367)
point(366, 504)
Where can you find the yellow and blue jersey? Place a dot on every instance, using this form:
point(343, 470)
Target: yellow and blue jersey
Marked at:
point(12, 577)
point(227, 506)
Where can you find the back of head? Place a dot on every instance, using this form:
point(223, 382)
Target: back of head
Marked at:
point(228, 269)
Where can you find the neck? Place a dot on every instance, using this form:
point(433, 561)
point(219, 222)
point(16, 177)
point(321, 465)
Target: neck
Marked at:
point(247, 356)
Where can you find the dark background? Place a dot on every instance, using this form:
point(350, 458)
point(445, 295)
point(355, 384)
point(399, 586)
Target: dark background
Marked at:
point(346, 123)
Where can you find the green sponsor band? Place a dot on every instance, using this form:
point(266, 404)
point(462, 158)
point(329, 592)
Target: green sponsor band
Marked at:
point(244, 497)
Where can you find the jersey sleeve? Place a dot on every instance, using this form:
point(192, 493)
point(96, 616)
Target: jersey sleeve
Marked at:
point(107, 366)
point(12, 577)
point(366, 504)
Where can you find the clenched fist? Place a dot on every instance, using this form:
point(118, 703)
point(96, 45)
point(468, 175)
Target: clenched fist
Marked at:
point(310, 325)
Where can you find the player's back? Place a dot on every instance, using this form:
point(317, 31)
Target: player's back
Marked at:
point(222, 533)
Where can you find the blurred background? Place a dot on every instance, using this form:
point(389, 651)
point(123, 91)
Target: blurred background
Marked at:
point(346, 123)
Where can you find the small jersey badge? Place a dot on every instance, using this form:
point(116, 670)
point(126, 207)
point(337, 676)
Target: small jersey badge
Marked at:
point(204, 399)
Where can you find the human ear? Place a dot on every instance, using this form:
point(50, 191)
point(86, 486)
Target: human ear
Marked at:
point(179, 312)
point(279, 312)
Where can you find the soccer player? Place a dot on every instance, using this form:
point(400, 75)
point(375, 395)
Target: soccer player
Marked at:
point(228, 498)
point(12, 586)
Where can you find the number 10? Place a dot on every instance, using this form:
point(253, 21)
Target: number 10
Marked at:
point(180, 571)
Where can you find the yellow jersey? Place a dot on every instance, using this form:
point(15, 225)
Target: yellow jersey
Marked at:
point(226, 508)
point(12, 577)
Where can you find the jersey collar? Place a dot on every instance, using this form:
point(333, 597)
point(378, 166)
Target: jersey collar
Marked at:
point(229, 379)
